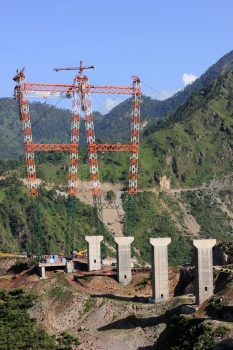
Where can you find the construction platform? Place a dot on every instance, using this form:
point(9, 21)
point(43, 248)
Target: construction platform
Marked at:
point(41, 266)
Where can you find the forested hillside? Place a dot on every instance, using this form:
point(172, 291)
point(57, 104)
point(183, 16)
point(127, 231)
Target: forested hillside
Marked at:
point(194, 144)
point(49, 125)
point(16, 219)
point(153, 110)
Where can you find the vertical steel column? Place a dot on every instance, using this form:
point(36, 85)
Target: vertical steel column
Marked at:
point(134, 145)
point(22, 97)
point(90, 134)
point(92, 154)
point(75, 125)
point(73, 169)
point(134, 136)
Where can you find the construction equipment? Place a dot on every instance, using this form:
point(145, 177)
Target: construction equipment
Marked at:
point(8, 255)
point(80, 254)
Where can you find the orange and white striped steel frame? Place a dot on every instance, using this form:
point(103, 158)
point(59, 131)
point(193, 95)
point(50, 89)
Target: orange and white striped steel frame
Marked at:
point(81, 91)
point(75, 125)
point(90, 135)
point(27, 132)
point(41, 90)
point(21, 94)
point(134, 137)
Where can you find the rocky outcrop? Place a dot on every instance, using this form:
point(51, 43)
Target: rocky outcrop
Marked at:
point(219, 255)
point(5, 265)
point(164, 183)
point(185, 284)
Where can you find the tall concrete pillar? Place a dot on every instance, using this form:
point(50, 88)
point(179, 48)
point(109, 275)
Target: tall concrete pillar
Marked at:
point(203, 259)
point(159, 263)
point(123, 259)
point(93, 250)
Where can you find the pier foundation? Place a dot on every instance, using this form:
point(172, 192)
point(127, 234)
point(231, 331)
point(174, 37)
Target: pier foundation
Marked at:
point(203, 260)
point(159, 263)
point(124, 259)
point(94, 252)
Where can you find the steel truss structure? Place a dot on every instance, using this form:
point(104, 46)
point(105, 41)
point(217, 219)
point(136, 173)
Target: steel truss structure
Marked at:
point(80, 92)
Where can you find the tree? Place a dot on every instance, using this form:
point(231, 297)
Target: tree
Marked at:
point(110, 195)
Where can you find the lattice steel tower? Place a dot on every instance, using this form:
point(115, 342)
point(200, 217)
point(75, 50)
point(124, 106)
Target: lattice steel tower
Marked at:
point(80, 91)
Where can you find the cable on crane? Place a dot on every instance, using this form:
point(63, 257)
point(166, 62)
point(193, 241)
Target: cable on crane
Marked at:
point(154, 90)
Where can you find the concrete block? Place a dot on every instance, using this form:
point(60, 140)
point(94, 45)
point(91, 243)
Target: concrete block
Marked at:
point(69, 266)
point(94, 252)
point(203, 261)
point(159, 264)
point(123, 259)
point(41, 271)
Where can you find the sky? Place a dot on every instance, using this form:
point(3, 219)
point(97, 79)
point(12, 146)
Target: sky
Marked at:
point(167, 43)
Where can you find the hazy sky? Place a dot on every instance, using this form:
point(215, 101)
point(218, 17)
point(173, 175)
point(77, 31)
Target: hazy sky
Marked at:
point(167, 43)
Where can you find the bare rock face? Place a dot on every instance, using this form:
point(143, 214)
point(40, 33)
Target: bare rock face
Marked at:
point(164, 183)
point(5, 265)
point(185, 284)
point(219, 255)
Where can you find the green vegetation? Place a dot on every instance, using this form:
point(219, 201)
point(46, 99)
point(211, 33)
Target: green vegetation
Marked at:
point(186, 333)
point(16, 219)
point(67, 340)
point(22, 265)
point(207, 211)
point(87, 279)
point(116, 124)
point(89, 304)
point(152, 220)
point(110, 195)
point(18, 331)
point(219, 307)
point(49, 125)
point(216, 272)
point(194, 144)
point(60, 292)
point(145, 281)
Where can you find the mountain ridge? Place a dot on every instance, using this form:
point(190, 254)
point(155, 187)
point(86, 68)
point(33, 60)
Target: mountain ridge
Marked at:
point(154, 110)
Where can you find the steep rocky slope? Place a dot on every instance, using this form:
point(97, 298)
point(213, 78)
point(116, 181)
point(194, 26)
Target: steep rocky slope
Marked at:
point(103, 315)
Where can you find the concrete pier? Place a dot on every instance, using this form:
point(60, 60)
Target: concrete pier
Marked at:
point(159, 264)
point(203, 260)
point(69, 266)
point(93, 249)
point(123, 259)
point(41, 271)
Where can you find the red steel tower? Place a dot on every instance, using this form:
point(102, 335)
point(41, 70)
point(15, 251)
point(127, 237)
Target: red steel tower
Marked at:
point(80, 91)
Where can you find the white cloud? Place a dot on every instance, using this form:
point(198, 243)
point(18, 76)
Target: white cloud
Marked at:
point(164, 94)
point(188, 78)
point(109, 104)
